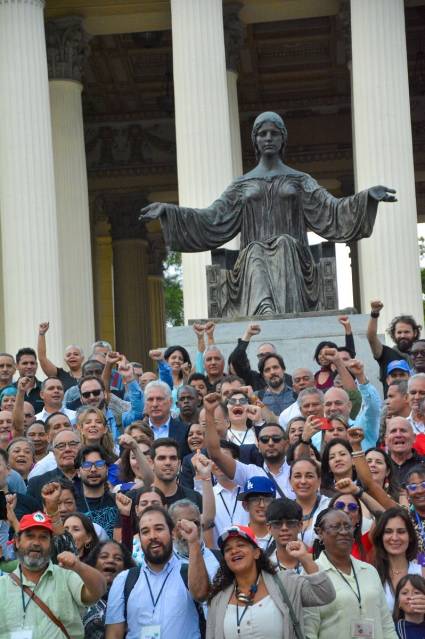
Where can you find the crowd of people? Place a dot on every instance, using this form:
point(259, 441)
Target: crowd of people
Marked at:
point(213, 498)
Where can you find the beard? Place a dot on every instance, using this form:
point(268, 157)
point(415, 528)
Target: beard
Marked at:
point(33, 563)
point(275, 382)
point(160, 558)
point(93, 483)
point(404, 344)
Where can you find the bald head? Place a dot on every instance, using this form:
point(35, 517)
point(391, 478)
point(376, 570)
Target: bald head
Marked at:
point(337, 402)
point(302, 378)
point(399, 436)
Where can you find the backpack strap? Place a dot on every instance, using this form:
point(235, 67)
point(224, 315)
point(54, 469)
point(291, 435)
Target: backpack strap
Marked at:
point(285, 597)
point(131, 580)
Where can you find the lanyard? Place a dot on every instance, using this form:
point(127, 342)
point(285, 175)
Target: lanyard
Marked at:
point(234, 505)
point(239, 619)
point(356, 594)
point(155, 601)
point(25, 605)
point(239, 442)
point(420, 526)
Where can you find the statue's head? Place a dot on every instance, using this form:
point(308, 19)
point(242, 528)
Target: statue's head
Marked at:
point(274, 118)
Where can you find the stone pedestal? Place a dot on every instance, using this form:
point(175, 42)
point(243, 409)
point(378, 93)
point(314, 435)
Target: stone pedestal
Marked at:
point(30, 260)
point(204, 154)
point(389, 260)
point(295, 339)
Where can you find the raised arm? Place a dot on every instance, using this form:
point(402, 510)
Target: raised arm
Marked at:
point(199, 330)
point(24, 383)
point(209, 330)
point(94, 582)
point(212, 440)
point(372, 328)
point(134, 392)
point(198, 581)
point(127, 441)
point(49, 369)
point(344, 320)
point(203, 468)
point(334, 357)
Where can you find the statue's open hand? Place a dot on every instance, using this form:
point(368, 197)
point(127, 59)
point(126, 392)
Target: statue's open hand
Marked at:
point(151, 211)
point(382, 194)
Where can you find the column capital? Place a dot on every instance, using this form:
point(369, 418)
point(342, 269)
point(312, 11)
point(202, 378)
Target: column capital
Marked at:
point(36, 3)
point(123, 210)
point(234, 33)
point(67, 48)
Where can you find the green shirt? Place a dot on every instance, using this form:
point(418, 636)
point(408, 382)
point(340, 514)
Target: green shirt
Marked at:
point(60, 590)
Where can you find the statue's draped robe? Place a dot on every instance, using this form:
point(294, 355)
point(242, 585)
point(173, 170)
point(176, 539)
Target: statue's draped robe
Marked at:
point(275, 271)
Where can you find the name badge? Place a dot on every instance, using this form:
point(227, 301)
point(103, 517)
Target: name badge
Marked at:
point(21, 634)
point(363, 628)
point(151, 632)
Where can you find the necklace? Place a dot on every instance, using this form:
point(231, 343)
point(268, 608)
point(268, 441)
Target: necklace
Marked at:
point(399, 572)
point(248, 600)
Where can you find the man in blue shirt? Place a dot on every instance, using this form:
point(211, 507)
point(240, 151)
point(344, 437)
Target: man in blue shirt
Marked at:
point(159, 604)
point(278, 395)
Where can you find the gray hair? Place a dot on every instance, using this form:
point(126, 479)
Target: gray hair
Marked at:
point(210, 349)
point(157, 383)
point(101, 343)
point(183, 503)
point(311, 391)
point(401, 385)
point(186, 387)
point(419, 376)
point(17, 440)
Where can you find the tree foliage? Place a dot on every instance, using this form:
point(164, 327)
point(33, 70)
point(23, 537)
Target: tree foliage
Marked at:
point(173, 289)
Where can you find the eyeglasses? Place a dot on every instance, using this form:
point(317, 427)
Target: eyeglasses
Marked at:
point(234, 401)
point(88, 465)
point(413, 487)
point(64, 445)
point(291, 524)
point(265, 439)
point(88, 394)
point(257, 499)
point(341, 505)
point(336, 528)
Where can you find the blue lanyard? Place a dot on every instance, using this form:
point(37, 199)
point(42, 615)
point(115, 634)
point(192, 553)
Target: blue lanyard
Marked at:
point(155, 601)
point(239, 619)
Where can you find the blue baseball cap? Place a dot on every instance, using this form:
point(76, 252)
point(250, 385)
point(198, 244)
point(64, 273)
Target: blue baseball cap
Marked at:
point(258, 485)
point(398, 365)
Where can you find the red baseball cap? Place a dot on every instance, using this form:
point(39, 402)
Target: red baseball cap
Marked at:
point(39, 519)
point(237, 531)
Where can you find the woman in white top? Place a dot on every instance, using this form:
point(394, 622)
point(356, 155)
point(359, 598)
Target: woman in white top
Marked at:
point(305, 481)
point(241, 414)
point(246, 600)
point(395, 550)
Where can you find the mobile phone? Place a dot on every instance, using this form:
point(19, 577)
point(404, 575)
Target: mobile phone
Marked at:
point(324, 423)
point(3, 509)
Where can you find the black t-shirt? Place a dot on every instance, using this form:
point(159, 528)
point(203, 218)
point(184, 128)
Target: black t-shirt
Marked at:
point(66, 378)
point(183, 492)
point(388, 355)
point(103, 511)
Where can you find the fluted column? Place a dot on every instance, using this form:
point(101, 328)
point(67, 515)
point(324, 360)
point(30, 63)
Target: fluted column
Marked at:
point(66, 50)
point(204, 152)
point(234, 33)
point(27, 188)
point(389, 260)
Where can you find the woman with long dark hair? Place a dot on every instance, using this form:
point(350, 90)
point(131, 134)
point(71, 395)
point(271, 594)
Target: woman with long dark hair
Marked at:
point(395, 550)
point(336, 464)
point(109, 558)
point(248, 599)
point(304, 476)
point(382, 471)
point(83, 533)
point(359, 608)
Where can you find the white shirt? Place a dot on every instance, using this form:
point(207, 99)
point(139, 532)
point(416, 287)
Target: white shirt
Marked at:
point(418, 427)
point(228, 510)
point(71, 414)
point(289, 413)
point(44, 465)
point(262, 619)
point(244, 472)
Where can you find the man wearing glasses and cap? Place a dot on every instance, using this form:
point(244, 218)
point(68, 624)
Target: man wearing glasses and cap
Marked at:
point(258, 493)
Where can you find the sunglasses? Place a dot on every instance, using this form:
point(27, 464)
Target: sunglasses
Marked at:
point(234, 401)
point(264, 439)
point(88, 394)
point(87, 465)
point(289, 523)
point(257, 499)
point(341, 505)
point(412, 487)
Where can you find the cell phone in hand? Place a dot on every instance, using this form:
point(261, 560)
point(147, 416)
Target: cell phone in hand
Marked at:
point(324, 423)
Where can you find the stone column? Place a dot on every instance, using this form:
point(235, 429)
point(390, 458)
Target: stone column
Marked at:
point(66, 52)
point(155, 282)
point(103, 279)
point(389, 260)
point(204, 149)
point(27, 188)
point(234, 33)
point(130, 261)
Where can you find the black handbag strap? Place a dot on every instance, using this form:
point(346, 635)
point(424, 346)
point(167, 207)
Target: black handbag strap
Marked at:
point(295, 622)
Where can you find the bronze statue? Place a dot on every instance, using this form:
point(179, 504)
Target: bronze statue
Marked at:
point(272, 207)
